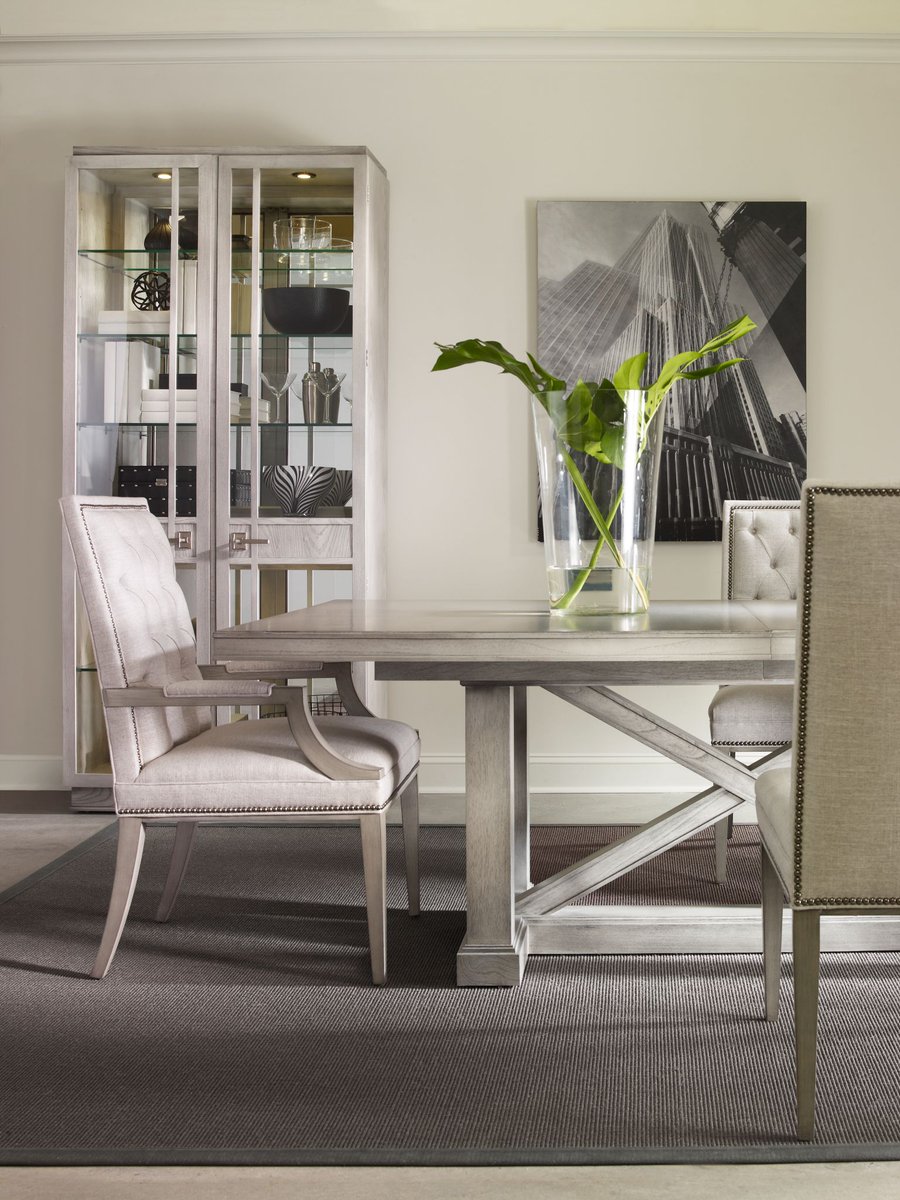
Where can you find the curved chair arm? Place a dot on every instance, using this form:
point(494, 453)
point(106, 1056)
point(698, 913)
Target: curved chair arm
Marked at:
point(350, 697)
point(316, 748)
point(207, 693)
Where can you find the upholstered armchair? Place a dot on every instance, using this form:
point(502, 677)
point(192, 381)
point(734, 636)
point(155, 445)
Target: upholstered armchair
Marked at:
point(830, 824)
point(171, 764)
point(760, 561)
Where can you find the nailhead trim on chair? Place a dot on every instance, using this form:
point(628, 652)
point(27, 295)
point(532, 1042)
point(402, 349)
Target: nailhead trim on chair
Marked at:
point(269, 808)
point(799, 901)
point(754, 745)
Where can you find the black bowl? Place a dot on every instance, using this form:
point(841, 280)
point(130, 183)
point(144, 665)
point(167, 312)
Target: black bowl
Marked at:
point(305, 310)
point(345, 329)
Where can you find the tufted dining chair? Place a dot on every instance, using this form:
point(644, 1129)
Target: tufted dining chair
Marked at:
point(830, 824)
point(760, 561)
point(172, 764)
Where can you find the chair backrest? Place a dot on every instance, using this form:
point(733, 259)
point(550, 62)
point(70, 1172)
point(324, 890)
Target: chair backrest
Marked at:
point(761, 549)
point(139, 622)
point(846, 771)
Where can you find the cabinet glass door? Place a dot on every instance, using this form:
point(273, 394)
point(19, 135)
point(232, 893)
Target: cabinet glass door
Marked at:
point(139, 380)
point(287, 362)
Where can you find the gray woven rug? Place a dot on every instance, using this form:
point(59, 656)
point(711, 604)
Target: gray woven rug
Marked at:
point(245, 1031)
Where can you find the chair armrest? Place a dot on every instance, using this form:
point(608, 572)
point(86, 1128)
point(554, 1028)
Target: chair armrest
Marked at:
point(197, 693)
point(257, 687)
point(253, 669)
point(204, 693)
point(340, 671)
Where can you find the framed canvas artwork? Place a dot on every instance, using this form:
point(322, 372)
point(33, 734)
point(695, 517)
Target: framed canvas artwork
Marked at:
point(619, 277)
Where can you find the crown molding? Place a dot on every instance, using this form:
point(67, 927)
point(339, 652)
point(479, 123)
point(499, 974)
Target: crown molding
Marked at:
point(227, 48)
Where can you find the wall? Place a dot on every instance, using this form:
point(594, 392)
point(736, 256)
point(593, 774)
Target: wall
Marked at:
point(469, 147)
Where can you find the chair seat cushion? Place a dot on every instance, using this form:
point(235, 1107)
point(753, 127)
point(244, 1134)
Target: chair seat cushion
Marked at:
point(775, 816)
point(256, 766)
point(752, 714)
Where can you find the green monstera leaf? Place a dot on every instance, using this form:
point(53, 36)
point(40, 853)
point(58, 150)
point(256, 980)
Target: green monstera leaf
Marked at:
point(590, 418)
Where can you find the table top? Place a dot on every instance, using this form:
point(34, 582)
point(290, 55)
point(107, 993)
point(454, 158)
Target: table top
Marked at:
point(700, 639)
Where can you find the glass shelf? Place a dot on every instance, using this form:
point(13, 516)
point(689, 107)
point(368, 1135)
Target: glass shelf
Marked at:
point(322, 340)
point(344, 252)
point(326, 425)
point(105, 252)
point(146, 335)
point(187, 425)
point(133, 262)
point(274, 516)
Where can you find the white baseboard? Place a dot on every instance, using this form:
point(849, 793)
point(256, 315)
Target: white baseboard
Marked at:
point(31, 773)
point(591, 790)
point(566, 808)
point(592, 774)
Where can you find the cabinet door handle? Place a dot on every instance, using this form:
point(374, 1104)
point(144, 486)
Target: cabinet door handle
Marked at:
point(183, 540)
point(240, 541)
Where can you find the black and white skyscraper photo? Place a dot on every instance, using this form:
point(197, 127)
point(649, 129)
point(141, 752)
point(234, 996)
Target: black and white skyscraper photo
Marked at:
point(619, 277)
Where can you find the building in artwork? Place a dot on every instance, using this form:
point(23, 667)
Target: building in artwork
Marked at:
point(666, 293)
point(767, 242)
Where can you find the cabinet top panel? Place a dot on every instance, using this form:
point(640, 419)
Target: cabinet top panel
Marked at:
point(226, 151)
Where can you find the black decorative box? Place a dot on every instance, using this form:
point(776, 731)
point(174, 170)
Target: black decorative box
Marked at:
point(240, 489)
point(190, 381)
point(153, 484)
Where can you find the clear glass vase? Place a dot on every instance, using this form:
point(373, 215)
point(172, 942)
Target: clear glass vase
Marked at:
point(598, 519)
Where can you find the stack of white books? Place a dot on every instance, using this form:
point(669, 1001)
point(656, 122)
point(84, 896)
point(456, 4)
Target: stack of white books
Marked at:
point(241, 409)
point(131, 321)
point(155, 406)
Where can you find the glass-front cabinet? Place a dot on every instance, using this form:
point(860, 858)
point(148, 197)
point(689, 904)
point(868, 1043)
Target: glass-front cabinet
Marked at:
point(225, 359)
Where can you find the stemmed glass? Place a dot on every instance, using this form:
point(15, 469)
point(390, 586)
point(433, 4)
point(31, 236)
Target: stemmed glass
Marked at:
point(278, 383)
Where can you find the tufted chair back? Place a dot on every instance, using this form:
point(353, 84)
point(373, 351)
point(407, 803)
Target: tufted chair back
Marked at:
point(761, 541)
point(139, 622)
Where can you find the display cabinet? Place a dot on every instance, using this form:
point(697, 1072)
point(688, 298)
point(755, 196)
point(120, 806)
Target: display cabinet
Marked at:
point(226, 358)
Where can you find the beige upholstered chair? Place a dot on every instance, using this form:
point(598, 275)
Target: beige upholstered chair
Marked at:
point(760, 561)
point(170, 763)
point(830, 824)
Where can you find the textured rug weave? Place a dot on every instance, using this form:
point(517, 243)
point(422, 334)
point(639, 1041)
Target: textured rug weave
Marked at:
point(245, 1030)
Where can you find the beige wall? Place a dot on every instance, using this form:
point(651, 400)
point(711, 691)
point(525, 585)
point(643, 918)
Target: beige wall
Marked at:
point(52, 17)
point(469, 148)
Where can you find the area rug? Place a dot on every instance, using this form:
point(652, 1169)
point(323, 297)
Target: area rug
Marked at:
point(246, 1032)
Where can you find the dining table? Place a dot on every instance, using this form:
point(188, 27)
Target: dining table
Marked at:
point(497, 650)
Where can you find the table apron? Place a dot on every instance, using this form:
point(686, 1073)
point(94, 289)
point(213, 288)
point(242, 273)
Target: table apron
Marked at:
point(532, 674)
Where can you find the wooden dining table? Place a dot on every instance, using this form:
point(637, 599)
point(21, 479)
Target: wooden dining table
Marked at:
point(497, 650)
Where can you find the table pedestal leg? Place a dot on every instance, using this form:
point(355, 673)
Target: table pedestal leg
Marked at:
point(495, 950)
point(522, 825)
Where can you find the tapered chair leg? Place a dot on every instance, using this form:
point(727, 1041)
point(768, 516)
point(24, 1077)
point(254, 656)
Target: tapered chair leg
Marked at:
point(722, 830)
point(806, 1015)
point(772, 920)
point(373, 828)
point(128, 863)
point(409, 811)
point(181, 853)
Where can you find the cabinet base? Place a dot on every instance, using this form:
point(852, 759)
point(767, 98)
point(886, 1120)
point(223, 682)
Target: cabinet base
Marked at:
point(96, 799)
